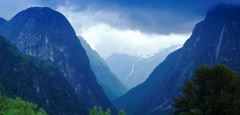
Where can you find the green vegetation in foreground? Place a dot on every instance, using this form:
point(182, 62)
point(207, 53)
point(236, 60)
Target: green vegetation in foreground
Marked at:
point(212, 91)
point(100, 111)
point(17, 106)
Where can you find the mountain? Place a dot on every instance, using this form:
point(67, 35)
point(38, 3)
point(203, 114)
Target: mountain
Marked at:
point(121, 65)
point(112, 86)
point(133, 70)
point(36, 81)
point(215, 40)
point(2, 22)
point(47, 34)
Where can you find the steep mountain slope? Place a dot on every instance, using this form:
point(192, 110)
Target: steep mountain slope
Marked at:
point(214, 41)
point(36, 81)
point(135, 70)
point(110, 83)
point(45, 33)
point(2, 22)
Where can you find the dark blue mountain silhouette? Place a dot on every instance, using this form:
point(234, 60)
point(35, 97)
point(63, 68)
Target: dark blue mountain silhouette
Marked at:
point(214, 41)
point(47, 34)
point(36, 81)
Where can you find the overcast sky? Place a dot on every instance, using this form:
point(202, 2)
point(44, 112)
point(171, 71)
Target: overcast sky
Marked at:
point(135, 27)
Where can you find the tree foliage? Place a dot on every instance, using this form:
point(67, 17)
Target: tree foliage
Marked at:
point(122, 112)
point(100, 111)
point(212, 91)
point(17, 106)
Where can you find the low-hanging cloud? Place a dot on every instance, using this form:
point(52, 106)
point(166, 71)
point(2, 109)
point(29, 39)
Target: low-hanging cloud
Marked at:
point(152, 16)
point(124, 26)
point(98, 29)
point(107, 31)
point(85, 18)
point(108, 40)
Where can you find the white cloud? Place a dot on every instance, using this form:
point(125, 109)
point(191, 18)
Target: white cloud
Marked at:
point(108, 40)
point(82, 19)
point(102, 29)
point(97, 28)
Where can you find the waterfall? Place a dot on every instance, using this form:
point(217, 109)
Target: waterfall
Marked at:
point(219, 43)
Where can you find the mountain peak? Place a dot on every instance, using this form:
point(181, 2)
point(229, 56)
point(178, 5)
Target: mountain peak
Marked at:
point(40, 10)
point(47, 34)
point(43, 18)
point(214, 40)
point(2, 21)
point(223, 12)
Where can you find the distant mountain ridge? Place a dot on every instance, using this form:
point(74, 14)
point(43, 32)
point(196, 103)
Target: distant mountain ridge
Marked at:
point(47, 34)
point(214, 41)
point(133, 70)
point(121, 65)
point(112, 86)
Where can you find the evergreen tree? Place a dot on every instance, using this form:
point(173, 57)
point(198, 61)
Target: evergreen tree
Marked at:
point(121, 112)
point(17, 106)
point(212, 91)
point(99, 111)
point(93, 111)
point(107, 112)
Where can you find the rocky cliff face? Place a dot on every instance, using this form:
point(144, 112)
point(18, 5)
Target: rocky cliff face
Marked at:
point(36, 81)
point(214, 41)
point(45, 33)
